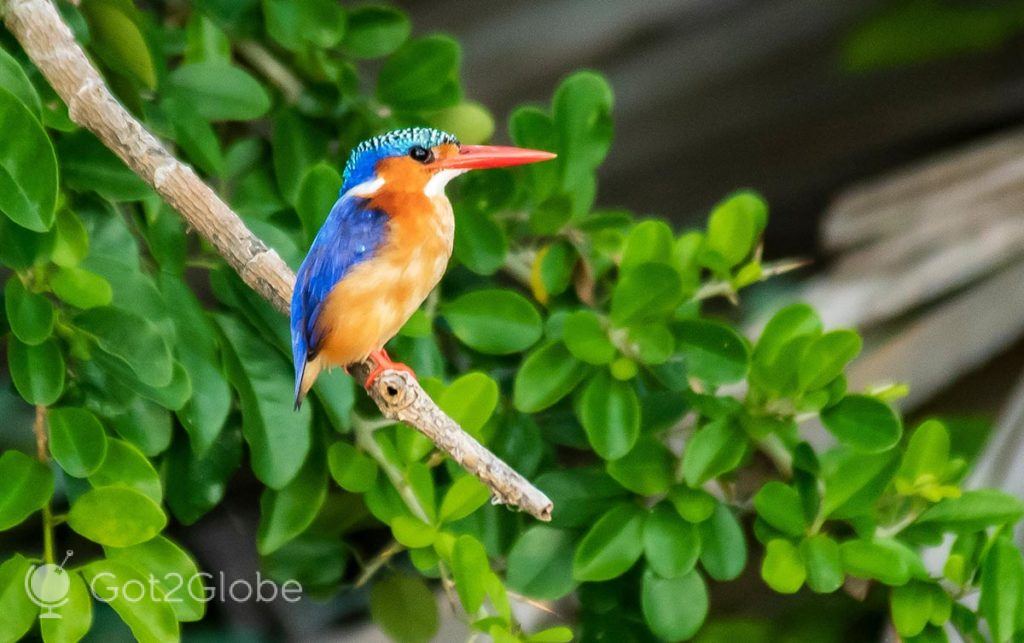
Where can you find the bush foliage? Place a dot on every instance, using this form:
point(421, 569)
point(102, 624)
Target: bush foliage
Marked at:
point(572, 340)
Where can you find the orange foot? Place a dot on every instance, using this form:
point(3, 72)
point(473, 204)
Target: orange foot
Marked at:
point(382, 362)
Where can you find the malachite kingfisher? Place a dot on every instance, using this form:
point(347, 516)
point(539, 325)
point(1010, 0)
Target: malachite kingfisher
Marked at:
point(382, 249)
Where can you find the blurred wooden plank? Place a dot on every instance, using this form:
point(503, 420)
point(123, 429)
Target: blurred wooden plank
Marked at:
point(924, 193)
point(949, 339)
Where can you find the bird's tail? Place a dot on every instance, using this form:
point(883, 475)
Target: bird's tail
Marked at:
point(305, 379)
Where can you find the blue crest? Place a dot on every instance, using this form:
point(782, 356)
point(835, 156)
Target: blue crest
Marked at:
point(362, 163)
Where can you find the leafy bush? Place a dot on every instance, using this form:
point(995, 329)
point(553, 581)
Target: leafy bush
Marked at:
point(573, 340)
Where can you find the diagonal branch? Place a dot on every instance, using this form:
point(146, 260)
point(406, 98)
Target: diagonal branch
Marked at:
point(52, 48)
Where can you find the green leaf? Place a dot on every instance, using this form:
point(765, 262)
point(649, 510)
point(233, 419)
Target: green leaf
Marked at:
point(30, 315)
point(87, 166)
point(117, 39)
point(646, 470)
point(653, 342)
point(125, 466)
point(422, 75)
point(911, 608)
point(874, 560)
point(532, 128)
point(714, 352)
point(81, 288)
point(466, 495)
point(28, 167)
point(581, 108)
point(649, 241)
point(352, 469)
point(824, 565)
point(611, 546)
point(723, 548)
point(37, 371)
point(286, 513)
point(579, 495)
point(587, 339)
point(404, 608)
point(780, 506)
point(789, 323)
point(77, 441)
point(609, 411)
point(375, 31)
point(973, 511)
point(220, 91)
point(863, 423)
point(854, 481)
point(297, 146)
point(17, 610)
point(74, 617)
point(72, 242)
point(470, 569)
point(413, 532)
point(469, 121)
point(826, 357)
point(14, 80)
point(927, 452)
point(194, 135)
point(671, 544)
point(480, 243)
point(174, 570)
point(496, 322)
point(196, 484)
point(25, 487)
point(150, 618)
point(546, 376)
point(116, 516)
point(198, 348)
point(320, 23)
point(278, 437)
point(204, 40)
point(735, 225)
point(714, 449)
point(694, 505)
point(674, 608)
point(1002, 585)
point(470, 400)
point(558, 634)
point(647, 291)
point(317, 193)
point(131, 338)
point(540, 563)
point(782, 569)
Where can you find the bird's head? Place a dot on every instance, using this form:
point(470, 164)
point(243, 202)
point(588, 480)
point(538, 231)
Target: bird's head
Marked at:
point(422, 159)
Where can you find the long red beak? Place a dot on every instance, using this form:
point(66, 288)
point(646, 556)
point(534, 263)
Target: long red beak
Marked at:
point(478, 157)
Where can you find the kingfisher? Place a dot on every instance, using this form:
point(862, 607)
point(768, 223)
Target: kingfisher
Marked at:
point(382, 249)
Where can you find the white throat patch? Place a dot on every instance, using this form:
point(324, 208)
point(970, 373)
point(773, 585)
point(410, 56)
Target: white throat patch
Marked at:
point(435, 186)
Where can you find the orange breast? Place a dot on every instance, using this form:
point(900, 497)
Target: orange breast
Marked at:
point(369, 306)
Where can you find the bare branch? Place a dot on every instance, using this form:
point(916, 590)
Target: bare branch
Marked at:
point(51, 46)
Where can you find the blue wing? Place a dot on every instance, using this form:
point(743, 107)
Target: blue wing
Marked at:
point(350, 235)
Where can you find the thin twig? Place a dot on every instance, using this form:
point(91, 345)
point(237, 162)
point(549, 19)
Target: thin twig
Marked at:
point(264, 62)
point(379, 561)
point(725, 288)
point(51, 47)
point(43, 453)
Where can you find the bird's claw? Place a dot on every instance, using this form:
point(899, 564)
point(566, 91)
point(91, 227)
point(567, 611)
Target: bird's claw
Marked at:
point(383, 362)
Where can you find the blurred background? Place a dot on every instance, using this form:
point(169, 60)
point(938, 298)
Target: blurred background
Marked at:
point(886, 136)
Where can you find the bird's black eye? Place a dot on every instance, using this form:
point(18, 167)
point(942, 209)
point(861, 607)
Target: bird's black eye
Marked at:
point(421, 154)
